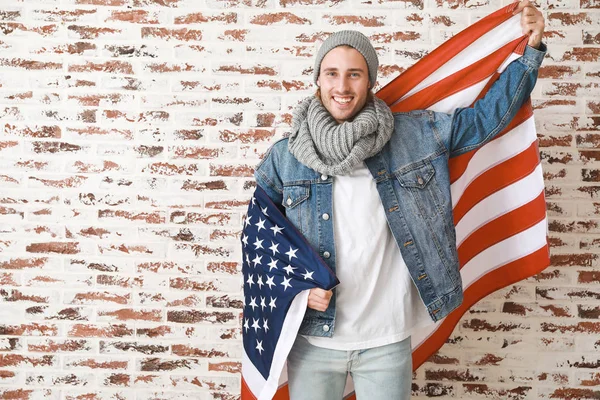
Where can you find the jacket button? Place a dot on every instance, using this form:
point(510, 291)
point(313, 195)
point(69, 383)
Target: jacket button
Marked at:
point(420, 180)
point(326, 216)
point(326, 328)
point(324, 177)
point(289, 201)
point(326, 254)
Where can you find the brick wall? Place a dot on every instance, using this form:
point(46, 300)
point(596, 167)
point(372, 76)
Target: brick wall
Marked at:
point(130, 129)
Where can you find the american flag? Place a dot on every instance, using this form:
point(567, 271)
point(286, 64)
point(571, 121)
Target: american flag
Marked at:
point(278, 266)
point(497, 190)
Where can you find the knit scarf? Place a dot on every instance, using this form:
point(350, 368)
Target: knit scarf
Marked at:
point(321, 143)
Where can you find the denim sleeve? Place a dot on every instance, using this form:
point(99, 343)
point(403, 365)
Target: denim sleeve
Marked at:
point(267, 177)
point(470, 127)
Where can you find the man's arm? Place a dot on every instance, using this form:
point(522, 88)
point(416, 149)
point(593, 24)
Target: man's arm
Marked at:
point(473, 126)
point(469, 128)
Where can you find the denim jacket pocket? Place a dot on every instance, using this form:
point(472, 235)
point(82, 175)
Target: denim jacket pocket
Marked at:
point(296, 205)
point(419, 180)
point(294, 195)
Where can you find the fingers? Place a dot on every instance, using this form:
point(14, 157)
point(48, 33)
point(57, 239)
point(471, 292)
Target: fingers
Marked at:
point(522, 4)
point(318, 299)
point(323, 294)
point(527, 7)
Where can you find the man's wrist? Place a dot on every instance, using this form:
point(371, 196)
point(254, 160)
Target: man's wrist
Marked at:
point(532, 56)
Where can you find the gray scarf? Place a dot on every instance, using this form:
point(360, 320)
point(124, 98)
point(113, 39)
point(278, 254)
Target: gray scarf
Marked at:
point(319, 142)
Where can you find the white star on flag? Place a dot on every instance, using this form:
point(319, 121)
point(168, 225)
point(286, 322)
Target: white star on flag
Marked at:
point(308, 275)
point(259, 282)
point(289, 269)
point(248, 218)
point(258, 244)
point(246, 326)
point(276, 229)
point(250, 280)
point(245, 240)
point(255, 325)
point(253, 201)
point(261, 224)
point(264, 211)
point(270, 281)
point(259, 346)
point(273, 247)
point(265, 326)
point(262, 303)
point(286, 283)
point(257, 260)
point(292, 253)
point(253, 303)
point(272, 303)
point(272, 265)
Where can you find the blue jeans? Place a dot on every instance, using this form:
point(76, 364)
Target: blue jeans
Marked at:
point(379, 373)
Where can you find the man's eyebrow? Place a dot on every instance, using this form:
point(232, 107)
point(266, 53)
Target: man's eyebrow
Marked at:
point(349, 69)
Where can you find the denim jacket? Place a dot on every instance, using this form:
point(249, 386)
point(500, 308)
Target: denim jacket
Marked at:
point(412, 179)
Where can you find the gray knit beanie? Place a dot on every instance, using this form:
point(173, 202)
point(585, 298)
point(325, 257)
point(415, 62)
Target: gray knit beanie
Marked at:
point(354, 39)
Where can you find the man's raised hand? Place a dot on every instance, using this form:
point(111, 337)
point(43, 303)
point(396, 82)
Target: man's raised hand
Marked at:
point(532, 22)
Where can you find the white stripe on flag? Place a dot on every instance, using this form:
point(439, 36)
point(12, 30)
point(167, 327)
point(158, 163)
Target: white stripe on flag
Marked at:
point(266, 389)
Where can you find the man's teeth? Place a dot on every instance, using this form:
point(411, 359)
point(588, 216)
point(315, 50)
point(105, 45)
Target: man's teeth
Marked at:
point(343, 101)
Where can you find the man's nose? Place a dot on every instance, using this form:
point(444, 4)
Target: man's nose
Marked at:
point(343, 84)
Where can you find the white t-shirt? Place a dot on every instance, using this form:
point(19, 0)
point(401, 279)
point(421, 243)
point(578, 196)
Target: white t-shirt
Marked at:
point(377, 302)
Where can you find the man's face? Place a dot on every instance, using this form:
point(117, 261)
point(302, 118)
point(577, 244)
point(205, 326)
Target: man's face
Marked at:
point(344, 82)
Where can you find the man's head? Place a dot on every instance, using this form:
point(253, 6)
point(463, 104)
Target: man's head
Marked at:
point(345, 72)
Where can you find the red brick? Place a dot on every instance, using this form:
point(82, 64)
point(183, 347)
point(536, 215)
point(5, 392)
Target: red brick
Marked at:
point(112, 67)
point(365, 21)
point(196, 316)
point(155, 217)
point(29, 329)
point(63, 15)
point(100, 331)
point(59, 345)
point(134, 16)
point(274, 18)
point(33, 131)
point(99, 298)
point(127, 314)
point(54, 247)
point(7, 28)
point(29, 64)
point(95, 363)
point(202, 17)
point(227, 366)
point(183, 34)
point(21, 361)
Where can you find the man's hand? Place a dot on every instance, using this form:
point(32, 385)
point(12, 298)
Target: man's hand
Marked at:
point(532, 22)
point(318, 299)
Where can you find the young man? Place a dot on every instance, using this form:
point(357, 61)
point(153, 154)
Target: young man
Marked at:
point(370, 191)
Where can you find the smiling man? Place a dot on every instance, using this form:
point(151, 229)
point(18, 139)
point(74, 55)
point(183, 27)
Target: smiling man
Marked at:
point(345, 102)
point(370, 191)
